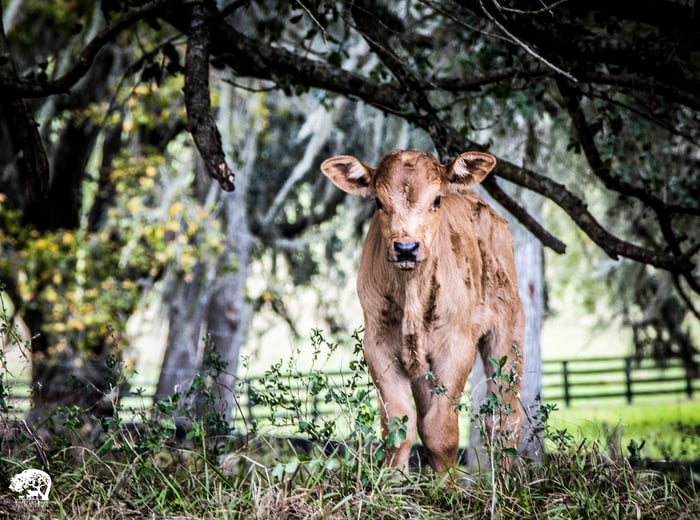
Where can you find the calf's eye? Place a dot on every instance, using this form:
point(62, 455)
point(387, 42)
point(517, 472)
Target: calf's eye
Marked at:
point(379, 204)
point(436, 202)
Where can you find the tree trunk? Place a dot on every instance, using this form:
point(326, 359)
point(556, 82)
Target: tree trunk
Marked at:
point(211, 303)
point(530, 267)
point(229, 312)
point(529, 263)
point(185, 315)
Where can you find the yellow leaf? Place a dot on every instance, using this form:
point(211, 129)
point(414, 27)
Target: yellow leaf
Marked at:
point(50, 295)
point(175, 209)
point(134, 205)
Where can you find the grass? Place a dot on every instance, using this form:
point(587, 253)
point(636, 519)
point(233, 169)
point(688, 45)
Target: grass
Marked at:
point(180, 481)
point(149, 466)
point(270, 478)
point(142, 463)
point(669, 429)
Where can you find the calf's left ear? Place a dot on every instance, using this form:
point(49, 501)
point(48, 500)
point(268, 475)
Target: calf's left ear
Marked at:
point(469, 169)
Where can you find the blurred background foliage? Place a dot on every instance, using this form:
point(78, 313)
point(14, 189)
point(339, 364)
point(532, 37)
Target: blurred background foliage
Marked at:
point(133, 223)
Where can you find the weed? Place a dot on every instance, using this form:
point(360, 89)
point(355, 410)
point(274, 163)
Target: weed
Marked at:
point(396, 433)
point(493, 413)
point(180, 458)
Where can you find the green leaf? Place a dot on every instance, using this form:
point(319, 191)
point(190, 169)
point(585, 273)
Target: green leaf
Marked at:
point(291, 467)
point(278, 471)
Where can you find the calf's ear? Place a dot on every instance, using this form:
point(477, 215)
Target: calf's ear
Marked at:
point(469, 169)
point(349, 174)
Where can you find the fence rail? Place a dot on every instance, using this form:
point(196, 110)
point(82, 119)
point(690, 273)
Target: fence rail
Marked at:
point(625, 377)
point(564, 381)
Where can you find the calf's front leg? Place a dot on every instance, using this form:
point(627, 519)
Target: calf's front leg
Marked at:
point(437, 399)
point(394, 393)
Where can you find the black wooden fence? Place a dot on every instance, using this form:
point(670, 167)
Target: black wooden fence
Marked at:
point(564, 381)
point(568, 380)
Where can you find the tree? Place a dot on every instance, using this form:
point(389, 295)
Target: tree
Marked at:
point(582, 58)
point(620, 79)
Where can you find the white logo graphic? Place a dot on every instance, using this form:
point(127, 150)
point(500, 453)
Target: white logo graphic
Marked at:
point(31, 484)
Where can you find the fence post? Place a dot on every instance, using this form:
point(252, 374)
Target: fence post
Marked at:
point(565, 373)
point(249, 404)
point(688, 379)
point(628, 379)
point(316, 413)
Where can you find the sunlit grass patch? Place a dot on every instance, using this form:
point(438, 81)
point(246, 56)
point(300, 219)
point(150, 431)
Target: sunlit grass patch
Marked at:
point(669, 429)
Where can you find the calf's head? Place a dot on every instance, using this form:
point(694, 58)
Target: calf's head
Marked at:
point(408, 187)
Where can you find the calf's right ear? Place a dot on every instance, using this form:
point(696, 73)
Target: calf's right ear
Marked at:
point(349, 174)
point(469, 169)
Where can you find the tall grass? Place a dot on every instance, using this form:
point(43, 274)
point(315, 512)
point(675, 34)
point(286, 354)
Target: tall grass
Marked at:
point(180, 459)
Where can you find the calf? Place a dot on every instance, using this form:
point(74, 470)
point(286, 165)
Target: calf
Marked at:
point(437, 282)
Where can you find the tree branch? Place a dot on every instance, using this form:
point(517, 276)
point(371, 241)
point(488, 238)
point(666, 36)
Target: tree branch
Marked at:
point(590, 150)
point(198, 103)
point(425, 114)
point(446, 139)
point(600, 169)
point(36, 89)
point(261, 60)
point(578, 211)
point(521, 214)
point(644, 49)
point(30, 152)
point(522, 44)
point(475, 82)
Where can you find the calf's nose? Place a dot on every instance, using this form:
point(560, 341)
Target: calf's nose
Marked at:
point(406, 250)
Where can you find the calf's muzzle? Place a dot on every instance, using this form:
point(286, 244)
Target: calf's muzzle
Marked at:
point(406, 254)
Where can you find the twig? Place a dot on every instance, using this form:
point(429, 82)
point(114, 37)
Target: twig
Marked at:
point(525, 46)
point(545, 8)
point(37, 445)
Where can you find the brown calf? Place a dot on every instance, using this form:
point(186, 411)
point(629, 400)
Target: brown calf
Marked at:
point(437, 283)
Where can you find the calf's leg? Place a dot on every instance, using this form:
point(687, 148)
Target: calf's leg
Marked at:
point(437, 398)
point(438, 426)
point(394, 393)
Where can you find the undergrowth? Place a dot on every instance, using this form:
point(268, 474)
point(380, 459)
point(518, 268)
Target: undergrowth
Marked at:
point(176, 459)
